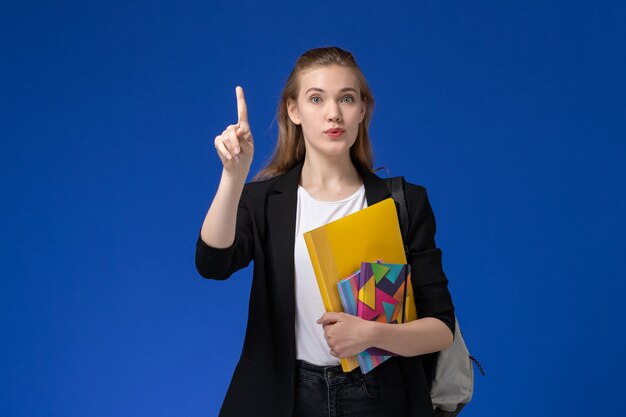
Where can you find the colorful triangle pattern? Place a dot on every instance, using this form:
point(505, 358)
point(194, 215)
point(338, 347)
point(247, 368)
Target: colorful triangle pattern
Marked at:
point(367, 293)
point(379, 271)
point(376, 292)
point(389, 308)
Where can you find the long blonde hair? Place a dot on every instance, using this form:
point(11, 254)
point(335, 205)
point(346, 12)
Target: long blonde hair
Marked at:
point(290, 148)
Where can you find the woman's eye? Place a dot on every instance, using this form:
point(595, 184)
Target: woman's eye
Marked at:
point(317, 99)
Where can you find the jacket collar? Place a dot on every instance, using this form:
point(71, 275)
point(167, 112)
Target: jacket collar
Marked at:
point(375, 188)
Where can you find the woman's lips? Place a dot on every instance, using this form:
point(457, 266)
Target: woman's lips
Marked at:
point(335, 132)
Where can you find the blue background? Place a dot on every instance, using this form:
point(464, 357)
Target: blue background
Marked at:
point(511, 114)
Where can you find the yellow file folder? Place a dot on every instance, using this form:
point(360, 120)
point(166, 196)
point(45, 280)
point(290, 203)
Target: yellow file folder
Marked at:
point(338, 248)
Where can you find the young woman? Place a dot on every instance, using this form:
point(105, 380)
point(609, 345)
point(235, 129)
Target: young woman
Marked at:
point(321, 170)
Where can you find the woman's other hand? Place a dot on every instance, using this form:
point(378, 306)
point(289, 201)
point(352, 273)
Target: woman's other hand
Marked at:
point(235, 146)
point(346, 334)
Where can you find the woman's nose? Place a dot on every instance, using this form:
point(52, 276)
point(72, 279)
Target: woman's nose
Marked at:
point(333, 112)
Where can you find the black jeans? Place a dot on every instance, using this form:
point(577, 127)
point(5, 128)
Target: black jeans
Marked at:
point(326, 391)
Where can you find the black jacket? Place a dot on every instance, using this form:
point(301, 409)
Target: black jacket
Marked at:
point(263, 382)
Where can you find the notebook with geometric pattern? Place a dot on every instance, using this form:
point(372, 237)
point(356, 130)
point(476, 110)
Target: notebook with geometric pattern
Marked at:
point(376, 292)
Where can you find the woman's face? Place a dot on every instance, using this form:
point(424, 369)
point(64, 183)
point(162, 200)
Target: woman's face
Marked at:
point(329, 98)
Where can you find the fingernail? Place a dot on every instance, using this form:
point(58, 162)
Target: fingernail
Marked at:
point(237, 158)
point(237, 150)
point(228, 156)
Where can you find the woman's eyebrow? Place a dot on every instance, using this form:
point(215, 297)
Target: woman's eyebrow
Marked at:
point(322, 91)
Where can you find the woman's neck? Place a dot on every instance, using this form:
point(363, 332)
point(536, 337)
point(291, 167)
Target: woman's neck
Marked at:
point(329, 178)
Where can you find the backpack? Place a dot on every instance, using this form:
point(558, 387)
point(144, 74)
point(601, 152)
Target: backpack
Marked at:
point(452, 383)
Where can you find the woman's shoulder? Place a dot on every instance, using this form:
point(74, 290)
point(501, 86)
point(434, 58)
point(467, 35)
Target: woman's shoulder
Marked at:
point(418, 203)
point(416, 196)
point(413, 188)
point(261, 187)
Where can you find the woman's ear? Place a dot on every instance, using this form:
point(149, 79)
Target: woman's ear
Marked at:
point(292, 111)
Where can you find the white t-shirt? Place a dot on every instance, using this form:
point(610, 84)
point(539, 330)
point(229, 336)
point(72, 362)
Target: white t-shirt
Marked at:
point(310, 343)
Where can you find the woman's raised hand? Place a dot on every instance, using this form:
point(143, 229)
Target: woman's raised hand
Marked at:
point(235, 149)
point(235, 146)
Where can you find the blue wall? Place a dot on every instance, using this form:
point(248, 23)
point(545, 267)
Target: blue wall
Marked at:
point(512, 114)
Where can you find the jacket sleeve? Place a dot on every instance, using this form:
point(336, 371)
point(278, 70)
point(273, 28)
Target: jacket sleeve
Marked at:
point(221, 263)
point(430, 285)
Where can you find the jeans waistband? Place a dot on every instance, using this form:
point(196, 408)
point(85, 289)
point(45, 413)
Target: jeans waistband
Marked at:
point(330, 373)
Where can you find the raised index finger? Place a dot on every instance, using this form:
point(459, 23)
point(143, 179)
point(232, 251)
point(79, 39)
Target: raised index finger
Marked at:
point(242, 109)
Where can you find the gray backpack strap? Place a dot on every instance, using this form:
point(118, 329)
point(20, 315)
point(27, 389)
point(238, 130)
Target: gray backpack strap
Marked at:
point(396, 186)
